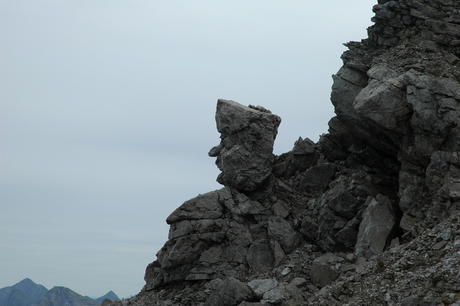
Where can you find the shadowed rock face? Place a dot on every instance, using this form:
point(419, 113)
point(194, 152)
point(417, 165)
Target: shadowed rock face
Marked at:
point(398, 92)
point(244, 154)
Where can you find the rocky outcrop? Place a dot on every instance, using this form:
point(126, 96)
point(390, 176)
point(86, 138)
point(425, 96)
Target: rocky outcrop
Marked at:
point(244, 154)
point(226, 233)
point(321, 224)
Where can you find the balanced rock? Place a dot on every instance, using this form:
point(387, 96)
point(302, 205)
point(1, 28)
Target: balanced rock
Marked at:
point(244, 154)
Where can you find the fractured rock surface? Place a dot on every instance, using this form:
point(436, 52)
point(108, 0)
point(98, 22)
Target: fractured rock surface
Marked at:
point(244, 154)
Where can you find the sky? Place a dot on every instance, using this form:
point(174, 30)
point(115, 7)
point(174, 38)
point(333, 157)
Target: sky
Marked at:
point(107, 115)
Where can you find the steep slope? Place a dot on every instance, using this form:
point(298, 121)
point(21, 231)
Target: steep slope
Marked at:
point(366, 216)
point(61, 296)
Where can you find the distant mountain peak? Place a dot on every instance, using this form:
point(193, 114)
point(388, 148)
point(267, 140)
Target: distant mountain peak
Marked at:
point(109, 295)
point(59, 295)
point(28, 293)
point(24, 293)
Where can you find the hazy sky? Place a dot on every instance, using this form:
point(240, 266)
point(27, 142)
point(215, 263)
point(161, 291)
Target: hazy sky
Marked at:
point(107, 114)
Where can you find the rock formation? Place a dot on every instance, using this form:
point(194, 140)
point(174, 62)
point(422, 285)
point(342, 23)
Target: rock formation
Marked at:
point(226, 233)
point(244, 154)
point(350, 219)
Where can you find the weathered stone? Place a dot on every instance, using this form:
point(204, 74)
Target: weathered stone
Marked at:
point(230, 292)
point(382, 102)
point(323, 272)
point(244, 303)
point(204, 206)
point(275, 296)
point(260, 256)
point(317, 178)
point(376, 227)
point(280, 210)
point(244, 154)
point(299, 282)
point(309, 228)
point(439, 245)
point(261, 286)
point(280, 230)
point(411, 301)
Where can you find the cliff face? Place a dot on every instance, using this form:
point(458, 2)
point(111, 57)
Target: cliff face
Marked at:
point(383, 182)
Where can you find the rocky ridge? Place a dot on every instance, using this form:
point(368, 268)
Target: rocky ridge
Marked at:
point(366, 216)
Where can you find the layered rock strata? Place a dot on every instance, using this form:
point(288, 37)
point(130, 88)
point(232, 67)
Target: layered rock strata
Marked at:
point(307, 225)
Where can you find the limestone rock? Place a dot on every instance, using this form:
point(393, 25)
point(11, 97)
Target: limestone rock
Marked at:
point(376, 227)
point(244, 154)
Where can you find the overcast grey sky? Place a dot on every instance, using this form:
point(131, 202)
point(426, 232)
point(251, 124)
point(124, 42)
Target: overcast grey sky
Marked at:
point(107, 115)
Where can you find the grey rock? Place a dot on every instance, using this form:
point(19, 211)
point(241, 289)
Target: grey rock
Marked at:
point(275, 296)
point(439, 245)
point(205, 206)
point(244, 154)
point(261, 286)
point(411, 301)
point(230, 292)
point(340, 210)
point(382, 102)
point(309, 228)
point(303, 155)
point(280, 230)
point(323, 271)
point(260, 256)
point(318, 177)
point(376, 227)
point(299, 282)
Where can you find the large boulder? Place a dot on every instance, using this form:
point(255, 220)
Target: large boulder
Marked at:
point(376, 228)
point(244, 154)
point(229, 292)
point(324, 269)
